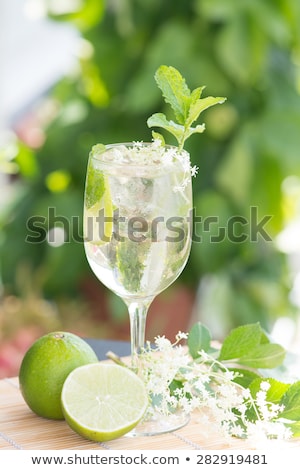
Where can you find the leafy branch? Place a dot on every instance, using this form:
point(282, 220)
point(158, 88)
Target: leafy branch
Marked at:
point(187, 105)
point(245, 351)
point(230, 385)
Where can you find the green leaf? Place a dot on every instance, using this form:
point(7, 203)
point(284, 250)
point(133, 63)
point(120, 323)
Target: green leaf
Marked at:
point(294, 427)
point(239, 341)
point(186, 105)
point(174, 90)
point(196, 94)
point(194, 130)
point(291, 402)
point(245, 377)
point(160, 120)
point(199, 338)
point(274, 393)
point(158, 136)
point(200, 105)
point(248, 345)
point(264, 356)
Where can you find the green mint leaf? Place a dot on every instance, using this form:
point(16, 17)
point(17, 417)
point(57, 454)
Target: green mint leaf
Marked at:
point(199, 338)
point(196, 94)
point(239, 341)
point(200, 105)
point(187, 105)
point(131, 264)
point(245, 377)
point(160, 120)
point(264, 356)
point(291, 402)
point(248, 345)
point(274, 393)
point(294, 427)
point(194, 130)
point(175, 91)
point(158, 136)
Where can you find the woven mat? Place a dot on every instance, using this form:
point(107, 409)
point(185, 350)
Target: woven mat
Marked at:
point(22, 429)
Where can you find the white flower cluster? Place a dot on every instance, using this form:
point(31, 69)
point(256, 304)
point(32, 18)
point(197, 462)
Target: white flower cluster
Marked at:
point(149, 154)
point(175, 381)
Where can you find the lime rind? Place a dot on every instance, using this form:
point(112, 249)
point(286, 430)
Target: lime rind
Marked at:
point(103, 402)
point(44, 368)
point(98, 223)
point(95, 186)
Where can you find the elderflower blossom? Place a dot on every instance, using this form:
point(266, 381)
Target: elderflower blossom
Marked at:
point(194, 170)
point(181, 187)
point(174, 381)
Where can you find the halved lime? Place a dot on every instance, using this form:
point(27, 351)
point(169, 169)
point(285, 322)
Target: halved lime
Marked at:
point(103, 401)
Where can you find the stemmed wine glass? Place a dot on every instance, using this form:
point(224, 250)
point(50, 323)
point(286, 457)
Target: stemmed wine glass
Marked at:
point(137, 232)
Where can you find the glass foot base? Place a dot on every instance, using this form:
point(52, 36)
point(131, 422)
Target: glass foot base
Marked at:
point(159, 424)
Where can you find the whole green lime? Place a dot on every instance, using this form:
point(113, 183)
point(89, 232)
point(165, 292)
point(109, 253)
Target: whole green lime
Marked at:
point(45, 367)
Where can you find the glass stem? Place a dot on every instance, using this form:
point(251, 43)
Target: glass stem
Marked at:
point(137, 313)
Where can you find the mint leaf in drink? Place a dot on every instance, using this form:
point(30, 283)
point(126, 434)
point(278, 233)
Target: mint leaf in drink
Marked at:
point(131, 256)
point(187, 105)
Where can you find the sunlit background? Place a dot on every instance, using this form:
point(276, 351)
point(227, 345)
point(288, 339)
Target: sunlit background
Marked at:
point(78, 72)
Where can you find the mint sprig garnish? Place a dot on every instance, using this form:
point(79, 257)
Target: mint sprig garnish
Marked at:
point(187, 105)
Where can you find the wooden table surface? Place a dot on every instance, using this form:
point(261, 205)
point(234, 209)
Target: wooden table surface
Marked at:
point(22, 429)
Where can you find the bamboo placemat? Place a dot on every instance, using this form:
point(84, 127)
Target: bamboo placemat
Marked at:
point(22, 429)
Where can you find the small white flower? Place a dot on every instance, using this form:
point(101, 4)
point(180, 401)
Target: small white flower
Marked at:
point(194, 170)
point(229, 375)
point(138, 144)
point(246, 393)
point(207, 384)
point(265, 386)
point(162, 343)
point(157, 143)
point(180, 335)
point(168, 158)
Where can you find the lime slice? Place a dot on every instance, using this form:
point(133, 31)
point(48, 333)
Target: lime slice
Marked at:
point(98, 219)
point(95, 186)
point(103, 401)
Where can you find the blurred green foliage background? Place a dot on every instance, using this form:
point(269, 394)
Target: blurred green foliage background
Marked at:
point(246, 50)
